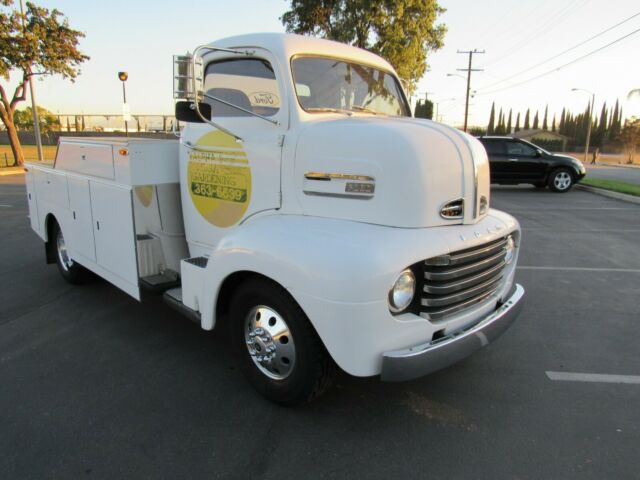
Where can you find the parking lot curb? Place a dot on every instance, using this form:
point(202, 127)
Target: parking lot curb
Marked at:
point(608, 193)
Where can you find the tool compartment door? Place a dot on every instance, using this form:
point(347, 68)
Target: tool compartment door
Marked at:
point(113, 230)
point(81, 235)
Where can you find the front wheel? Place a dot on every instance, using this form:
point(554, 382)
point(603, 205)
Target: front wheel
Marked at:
point(275, 346)
point(561, 180)
point(71, 271)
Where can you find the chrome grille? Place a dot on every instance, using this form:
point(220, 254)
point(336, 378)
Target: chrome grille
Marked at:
point(462, 279)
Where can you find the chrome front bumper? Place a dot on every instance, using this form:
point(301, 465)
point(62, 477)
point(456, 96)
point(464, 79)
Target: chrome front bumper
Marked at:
point(423, 359)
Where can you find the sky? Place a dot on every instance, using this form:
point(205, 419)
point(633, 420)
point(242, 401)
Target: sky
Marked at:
point(140, 37)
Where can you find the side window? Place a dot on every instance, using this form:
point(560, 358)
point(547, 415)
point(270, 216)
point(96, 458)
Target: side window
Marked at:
point(517, 148)
point(493, 147)
point(249, 83)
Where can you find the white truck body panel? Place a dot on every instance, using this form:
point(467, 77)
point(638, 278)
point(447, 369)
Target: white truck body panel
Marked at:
point(111, 198)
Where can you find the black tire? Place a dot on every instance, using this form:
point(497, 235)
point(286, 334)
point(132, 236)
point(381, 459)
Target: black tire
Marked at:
point(561, 180)
point(312, 370)
point(71, 271)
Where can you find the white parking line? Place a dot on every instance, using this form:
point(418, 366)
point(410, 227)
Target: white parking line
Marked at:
point(593, 377)
point(581, 269)
point(555, 209)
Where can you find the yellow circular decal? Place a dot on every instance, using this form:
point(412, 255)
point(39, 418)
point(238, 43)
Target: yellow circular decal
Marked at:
point(144, 194)
point(219, 179)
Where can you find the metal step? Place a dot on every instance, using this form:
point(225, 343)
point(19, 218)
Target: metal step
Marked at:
point(198, 261)
point(160, 282)
point(173, 298)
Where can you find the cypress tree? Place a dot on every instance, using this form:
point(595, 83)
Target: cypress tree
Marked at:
point(508, 132)
point(492, 119)
point(517, 129)
point(616, 119)
point(562, 125)
point(553, 125)
point(602, 126)
point(535, 121)
point(526, 126)
point(545, 125)
point(500, 127)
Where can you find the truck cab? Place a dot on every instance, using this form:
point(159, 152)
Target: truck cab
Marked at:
point(310, 213)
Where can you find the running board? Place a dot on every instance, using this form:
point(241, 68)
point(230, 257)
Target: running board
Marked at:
point(160, 282)
point(173, 298)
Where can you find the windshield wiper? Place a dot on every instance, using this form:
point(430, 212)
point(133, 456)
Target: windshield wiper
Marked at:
point(359, 108)
point(328, 109)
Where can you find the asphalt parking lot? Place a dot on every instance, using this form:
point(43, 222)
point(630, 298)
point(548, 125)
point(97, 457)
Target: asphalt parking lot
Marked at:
point(96, 385)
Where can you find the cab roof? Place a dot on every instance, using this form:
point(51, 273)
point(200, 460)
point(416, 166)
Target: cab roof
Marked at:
point(287, 45)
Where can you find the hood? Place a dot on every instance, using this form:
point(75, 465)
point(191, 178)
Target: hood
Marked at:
point(390, 171)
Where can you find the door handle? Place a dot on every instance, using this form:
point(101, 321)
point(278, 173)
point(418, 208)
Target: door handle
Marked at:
point(513, 159)
point(98, 224)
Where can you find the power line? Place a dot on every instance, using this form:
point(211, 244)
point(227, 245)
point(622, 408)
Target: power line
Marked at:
point(563, 52)
point(563, 66)
point(548, 25)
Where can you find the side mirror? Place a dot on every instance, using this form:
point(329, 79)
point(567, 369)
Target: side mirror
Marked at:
point(186, 112)
point(538, 153)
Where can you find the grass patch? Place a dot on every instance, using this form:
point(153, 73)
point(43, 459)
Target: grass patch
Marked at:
point(30, 154)
point(613, 185)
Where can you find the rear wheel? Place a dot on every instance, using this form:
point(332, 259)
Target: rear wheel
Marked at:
point(561, 180)
point(71, 271)
point(275, 345)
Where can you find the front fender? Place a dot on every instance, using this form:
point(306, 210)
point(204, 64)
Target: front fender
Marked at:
point(319, 257)
point(338, 260)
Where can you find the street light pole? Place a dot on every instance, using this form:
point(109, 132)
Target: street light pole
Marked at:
point(123, 76)
point(34, 105)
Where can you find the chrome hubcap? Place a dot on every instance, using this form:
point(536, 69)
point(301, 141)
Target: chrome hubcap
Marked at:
point(63, 255)
point(562, 180)
point(270, 342)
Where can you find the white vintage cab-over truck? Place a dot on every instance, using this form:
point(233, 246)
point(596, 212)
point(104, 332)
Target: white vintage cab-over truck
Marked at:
point(303, 208)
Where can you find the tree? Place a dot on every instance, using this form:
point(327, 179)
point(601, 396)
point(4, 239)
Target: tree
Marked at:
point(535, 121)
point(553, 125)
point(491, 128)
point(509, 122)
point(23, 120)
point(517, 129)
point(616, 121)
point(499, 129)
point(424, 109)
point(46, 46)
point(527, 126)
point(545, 124)
point(630, 137)
point(402, 31)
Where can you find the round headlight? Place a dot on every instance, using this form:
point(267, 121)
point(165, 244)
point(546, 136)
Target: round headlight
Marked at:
point(401, 294)
point(510, 250)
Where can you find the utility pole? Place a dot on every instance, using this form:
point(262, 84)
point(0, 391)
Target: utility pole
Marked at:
point(34, 107)
point(469, 69)
point(590, 113)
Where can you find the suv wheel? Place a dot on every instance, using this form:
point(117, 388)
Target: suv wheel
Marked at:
point(275, 346)
point(561, 180)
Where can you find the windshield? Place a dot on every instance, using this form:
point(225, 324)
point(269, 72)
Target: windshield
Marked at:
point(331, 85)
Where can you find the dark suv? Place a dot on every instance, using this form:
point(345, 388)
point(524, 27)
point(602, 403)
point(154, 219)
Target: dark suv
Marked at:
point(514, 161)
